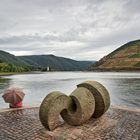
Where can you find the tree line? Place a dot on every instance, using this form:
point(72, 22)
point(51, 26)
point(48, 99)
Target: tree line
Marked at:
point(6, 67)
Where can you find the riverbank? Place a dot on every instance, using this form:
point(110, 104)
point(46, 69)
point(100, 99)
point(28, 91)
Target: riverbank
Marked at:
point(116, 123)
point(97, 69)
point(18, 73)
point(90, 71)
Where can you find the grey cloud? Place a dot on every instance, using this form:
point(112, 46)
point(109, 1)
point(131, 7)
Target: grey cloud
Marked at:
point(132, 6)
point(80, 29)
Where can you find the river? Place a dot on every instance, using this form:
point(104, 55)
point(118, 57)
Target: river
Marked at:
point(124, 87)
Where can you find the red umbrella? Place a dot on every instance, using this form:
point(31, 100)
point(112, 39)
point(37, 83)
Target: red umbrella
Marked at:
point(13, 95)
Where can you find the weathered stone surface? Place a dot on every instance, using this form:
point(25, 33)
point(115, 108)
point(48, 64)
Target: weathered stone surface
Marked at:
point(51, 107)
point(83, 107)
point(89, 99)
point(101, 95)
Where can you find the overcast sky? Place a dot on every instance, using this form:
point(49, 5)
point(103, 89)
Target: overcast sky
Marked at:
point(78, 29)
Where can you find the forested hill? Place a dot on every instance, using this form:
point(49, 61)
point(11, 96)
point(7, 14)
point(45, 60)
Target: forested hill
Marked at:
point(126, 57)
point(56, 63)
point(11, 63)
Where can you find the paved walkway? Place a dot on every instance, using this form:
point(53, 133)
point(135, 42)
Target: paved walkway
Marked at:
point(116, 124)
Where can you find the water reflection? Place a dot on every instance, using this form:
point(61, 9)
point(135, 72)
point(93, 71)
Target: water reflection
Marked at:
point(124, 88)
point(4, 84)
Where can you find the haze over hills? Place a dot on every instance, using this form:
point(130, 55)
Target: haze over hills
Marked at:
point(9, 62)
point(127, 57)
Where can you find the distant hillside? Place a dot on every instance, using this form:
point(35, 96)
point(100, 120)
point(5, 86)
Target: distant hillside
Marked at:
point(55, 63)
point(127, 57)
point(11, 63)
point(9, 58)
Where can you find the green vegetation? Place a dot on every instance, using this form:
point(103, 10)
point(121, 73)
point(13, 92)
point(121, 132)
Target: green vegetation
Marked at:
point(135, 55)
point(129, 44)
point(55, 63)
point(137, 65)
point(5, 67)
point(9, 58)
point(11, 63)
point(121, 58)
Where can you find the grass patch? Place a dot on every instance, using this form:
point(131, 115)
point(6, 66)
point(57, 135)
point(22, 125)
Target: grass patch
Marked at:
point(137, 55)
point(129, 44)
point(8, 73)
point(137, 65)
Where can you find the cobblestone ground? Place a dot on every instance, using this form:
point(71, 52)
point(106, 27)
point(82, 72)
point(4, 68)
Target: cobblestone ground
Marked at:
point(116, 124)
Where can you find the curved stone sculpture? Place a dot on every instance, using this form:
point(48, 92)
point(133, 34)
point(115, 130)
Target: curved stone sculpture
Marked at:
point(51, 108)
point(84, 106)
point(101, 95)
point(89, 99)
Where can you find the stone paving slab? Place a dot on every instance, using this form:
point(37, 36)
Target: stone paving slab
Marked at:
point(116, 124)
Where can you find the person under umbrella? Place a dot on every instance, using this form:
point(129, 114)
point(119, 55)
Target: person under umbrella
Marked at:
point(14, 96)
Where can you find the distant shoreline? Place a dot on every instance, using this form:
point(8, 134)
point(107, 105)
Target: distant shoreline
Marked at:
point(39, 72)
point(18, 73)
point(115, 69)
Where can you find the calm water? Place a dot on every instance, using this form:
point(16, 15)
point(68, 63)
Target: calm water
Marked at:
point(124, 88)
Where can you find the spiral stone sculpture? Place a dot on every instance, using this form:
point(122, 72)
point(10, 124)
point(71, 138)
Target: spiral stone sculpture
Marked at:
point(101, 95)
point(51, 107)
point(84, 107)
point(89, 99)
